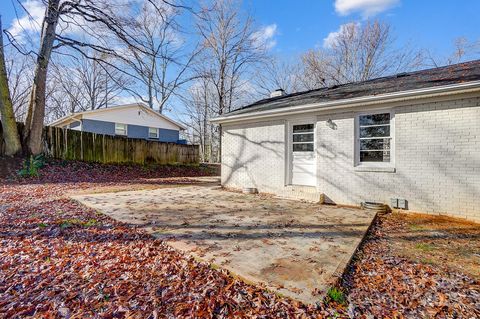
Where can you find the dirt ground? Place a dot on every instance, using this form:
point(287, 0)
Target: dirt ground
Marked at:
point(439, 241)
point(416, 266)
point(8, 165)
point(294, 248)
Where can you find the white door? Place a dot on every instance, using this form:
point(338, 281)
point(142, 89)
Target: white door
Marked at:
point(303, 164)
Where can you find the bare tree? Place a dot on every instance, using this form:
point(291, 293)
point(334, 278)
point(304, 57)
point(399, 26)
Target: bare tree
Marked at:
point(9, 125)
point(64, 91)
point(463, 50)
point(230, 49)
point(162, 63)
point(359, 52)
point(85, 84)
point(276, 74)
point(20, 74)
point(98, 19)
point(36, 109)
point(198, 110)
point(315, 70)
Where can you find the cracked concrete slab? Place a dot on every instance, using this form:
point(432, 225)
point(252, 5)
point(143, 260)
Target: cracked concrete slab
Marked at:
point(295, 248)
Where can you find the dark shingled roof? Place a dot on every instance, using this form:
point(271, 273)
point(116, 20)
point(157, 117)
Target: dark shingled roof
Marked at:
point(452, 74)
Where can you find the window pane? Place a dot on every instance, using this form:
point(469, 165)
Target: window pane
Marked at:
point(375, 131)
point(152, 132)
point(376, 144)
point(375, 156)
point(120, 129)
point(303, 137)
point(304, 147)
point(375, 119)
point(303, 128)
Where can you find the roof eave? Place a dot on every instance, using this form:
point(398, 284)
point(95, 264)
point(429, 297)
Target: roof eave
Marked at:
point(116, 108)
point(359, 101)
point(73, 117)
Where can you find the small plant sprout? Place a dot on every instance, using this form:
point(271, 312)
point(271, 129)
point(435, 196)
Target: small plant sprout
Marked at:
point(336, 295)
point(31, 166)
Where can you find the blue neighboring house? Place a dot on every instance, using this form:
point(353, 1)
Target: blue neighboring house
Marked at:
point(130, 120)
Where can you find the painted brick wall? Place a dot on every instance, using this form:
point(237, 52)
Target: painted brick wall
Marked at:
point(253, 155)
point(437, 159)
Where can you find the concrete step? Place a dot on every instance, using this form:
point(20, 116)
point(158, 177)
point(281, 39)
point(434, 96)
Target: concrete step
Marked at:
point(307, 193)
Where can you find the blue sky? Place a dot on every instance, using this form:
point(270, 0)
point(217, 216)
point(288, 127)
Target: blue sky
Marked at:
point(303, 24)
point(295, 26)
point(424, 24)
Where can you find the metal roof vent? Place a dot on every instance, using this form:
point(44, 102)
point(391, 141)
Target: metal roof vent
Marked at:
point(278, 92)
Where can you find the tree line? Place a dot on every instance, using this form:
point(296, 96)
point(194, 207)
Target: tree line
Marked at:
point(199, 61)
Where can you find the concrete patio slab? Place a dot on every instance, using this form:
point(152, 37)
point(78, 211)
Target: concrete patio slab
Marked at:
point(295, 248)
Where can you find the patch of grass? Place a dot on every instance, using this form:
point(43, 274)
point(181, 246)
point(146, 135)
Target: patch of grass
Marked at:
point(91, 222)
point(336, 295)
point(465, 251)
point(427, 261)
point(215, 266)
point(416, 227)
point(424, 247)
point(335, 315)
point(67, 223)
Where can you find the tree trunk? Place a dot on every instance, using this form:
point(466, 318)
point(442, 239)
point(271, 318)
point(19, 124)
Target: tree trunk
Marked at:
point(33, 133)
point(9, 125)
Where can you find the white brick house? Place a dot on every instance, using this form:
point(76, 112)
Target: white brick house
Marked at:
point(413, 136)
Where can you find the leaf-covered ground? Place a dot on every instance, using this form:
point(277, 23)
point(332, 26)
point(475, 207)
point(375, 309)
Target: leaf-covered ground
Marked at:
point(61, 259)
point(388, 280)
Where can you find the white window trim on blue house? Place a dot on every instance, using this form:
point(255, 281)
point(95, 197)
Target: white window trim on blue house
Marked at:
point(153, 132)
point(121, 129)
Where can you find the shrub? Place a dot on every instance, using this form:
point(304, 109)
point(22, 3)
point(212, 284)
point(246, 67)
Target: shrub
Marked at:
point(31, 166)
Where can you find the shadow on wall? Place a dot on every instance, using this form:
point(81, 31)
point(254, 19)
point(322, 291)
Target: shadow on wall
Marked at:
point(356, 187)
point(252, 157)
point(446, 177)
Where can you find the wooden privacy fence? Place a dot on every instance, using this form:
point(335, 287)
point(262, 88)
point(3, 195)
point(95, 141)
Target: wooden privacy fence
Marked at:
point(91, 147)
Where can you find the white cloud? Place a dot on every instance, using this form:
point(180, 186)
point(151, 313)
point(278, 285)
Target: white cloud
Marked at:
point(367, 8)
point(30, 23)
point(266, 36)
point(332, 37)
